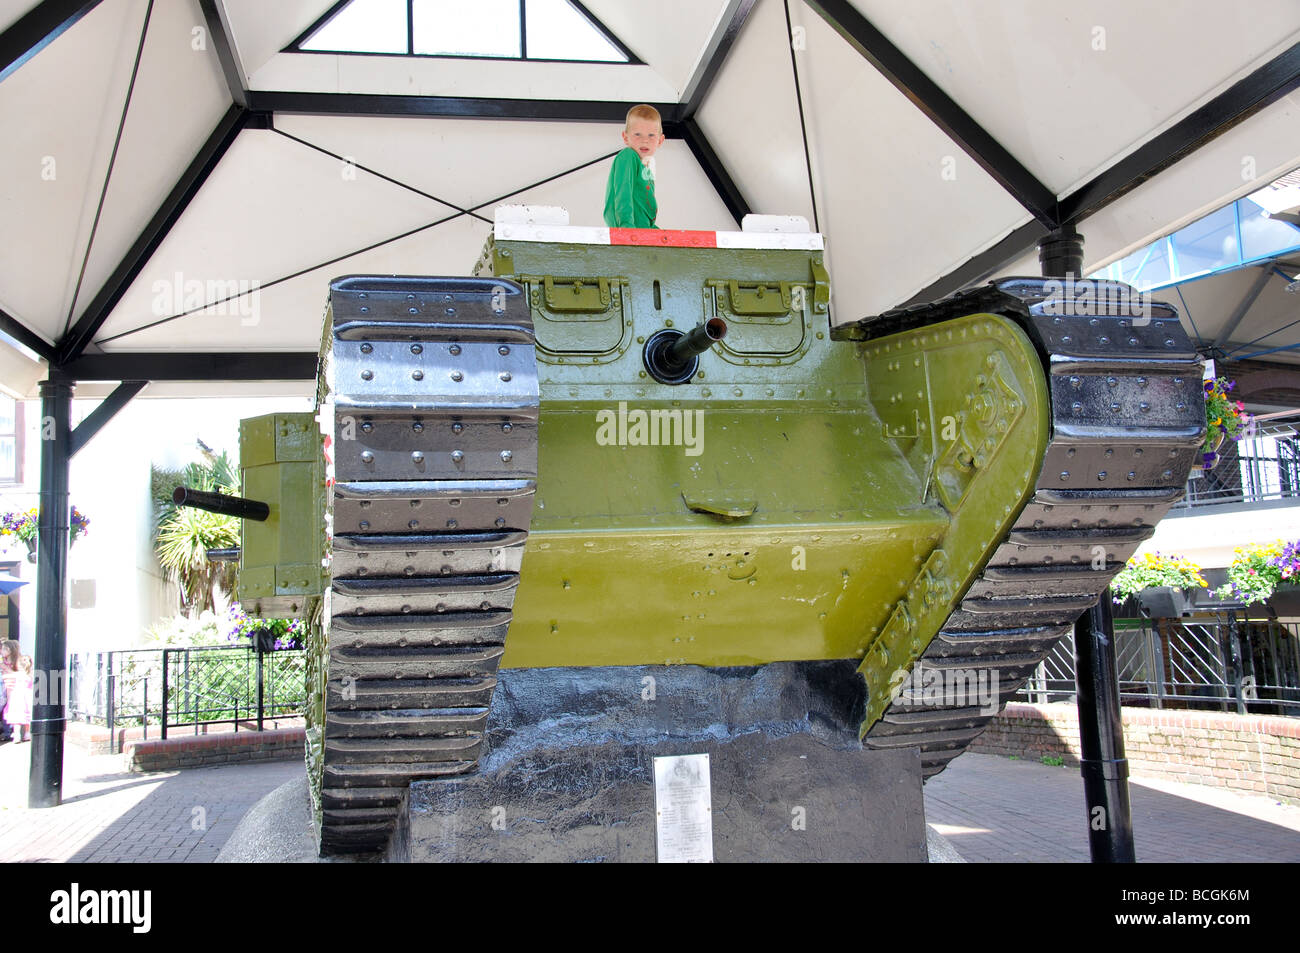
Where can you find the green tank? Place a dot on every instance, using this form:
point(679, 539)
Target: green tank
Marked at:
point(626, 447)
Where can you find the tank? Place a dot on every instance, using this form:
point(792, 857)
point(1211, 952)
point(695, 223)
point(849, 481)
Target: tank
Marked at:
point(627, 447)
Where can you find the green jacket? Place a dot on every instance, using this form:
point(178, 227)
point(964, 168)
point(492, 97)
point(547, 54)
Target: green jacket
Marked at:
point(630, 193)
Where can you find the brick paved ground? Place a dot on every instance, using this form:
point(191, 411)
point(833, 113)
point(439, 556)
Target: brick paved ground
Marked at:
point(993, 808)
point(111, 815)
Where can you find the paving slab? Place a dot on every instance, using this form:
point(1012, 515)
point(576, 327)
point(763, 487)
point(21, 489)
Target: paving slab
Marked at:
point(109, 814)
point(989, 808)
point(999, 809)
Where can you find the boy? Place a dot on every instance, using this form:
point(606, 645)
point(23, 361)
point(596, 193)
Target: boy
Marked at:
point(630, 192)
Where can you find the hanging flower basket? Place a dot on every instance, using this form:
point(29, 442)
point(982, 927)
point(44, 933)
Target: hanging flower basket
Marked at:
point(1223, 418)
point(21, 524)
point(1264, 572)
point(1209, 459)
point(1164, 602)
point(1160, 584)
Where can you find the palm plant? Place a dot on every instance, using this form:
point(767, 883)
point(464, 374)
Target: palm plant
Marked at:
point(183, 535)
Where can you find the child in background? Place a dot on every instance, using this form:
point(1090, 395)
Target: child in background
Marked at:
point(630, 192)
point(9, 657)
point(18, 709)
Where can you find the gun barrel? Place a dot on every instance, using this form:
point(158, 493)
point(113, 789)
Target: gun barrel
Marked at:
point(699, 340)
point(220, 503)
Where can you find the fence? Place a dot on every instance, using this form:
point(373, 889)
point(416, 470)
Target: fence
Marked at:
point(1265, 466)
point(186, 687)
point(1221, 662)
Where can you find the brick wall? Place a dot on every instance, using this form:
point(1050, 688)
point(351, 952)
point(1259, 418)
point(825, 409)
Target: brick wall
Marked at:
point(1254, 754)
point(196, 751)
point(95, 739)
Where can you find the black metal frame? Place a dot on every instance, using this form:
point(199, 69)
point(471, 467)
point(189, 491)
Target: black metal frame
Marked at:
point(37, 29)
point(193, 366)
point(715, 54)
point(108, 408)
point(253, 109)
point(25, 336)
point(214, 14)
point(689, 130)
point(295, 46)
point(446, 107)
point(1266, 85)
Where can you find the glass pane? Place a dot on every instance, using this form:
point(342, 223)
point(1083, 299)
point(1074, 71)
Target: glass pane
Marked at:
point(1262, 236)
point(363, 26)
point(557, 31)
point(456, 28)
point(8, 407)
point(1146, 267)
point(8, 463)
point(1207, 244)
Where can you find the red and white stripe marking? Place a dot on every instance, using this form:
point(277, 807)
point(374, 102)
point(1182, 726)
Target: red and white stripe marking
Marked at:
point(539, 229)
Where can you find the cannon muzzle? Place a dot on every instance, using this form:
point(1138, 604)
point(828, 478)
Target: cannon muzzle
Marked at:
point(672, 356)
point(220, 503)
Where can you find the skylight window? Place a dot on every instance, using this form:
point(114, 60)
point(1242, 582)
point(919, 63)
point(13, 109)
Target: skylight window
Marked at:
point(491, 29)
point(1256, 228)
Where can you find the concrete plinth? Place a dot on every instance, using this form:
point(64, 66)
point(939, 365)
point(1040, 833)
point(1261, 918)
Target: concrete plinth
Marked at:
point(569, 775)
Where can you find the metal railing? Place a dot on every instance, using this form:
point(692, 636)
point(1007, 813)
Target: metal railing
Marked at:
point(1265, 466)
point(186, 688)
point(1222, 662)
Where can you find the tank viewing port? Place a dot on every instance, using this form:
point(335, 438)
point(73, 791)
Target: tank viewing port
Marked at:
point(672, 356)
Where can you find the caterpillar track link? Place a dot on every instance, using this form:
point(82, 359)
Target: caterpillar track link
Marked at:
point(1127, 423)
point(435, 411)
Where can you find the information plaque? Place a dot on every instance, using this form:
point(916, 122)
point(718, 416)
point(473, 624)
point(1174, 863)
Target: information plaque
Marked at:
point(683, 809)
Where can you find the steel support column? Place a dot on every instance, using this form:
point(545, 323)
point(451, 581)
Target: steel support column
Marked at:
point(1101, 738)
point(45, 782)
point(1101, 731)
point(58, 444)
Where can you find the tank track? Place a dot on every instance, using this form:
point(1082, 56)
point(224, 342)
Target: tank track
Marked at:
point(435, 413)
point(1127, 425)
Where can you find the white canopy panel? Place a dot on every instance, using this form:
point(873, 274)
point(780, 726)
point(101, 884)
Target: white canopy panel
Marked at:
point(1069, 88)
point(467, 162)
point(261, 29)
point(278, 220)
point(59, 145)
point(898, 209)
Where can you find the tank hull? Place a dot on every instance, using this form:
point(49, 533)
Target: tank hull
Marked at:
point(934, 494)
